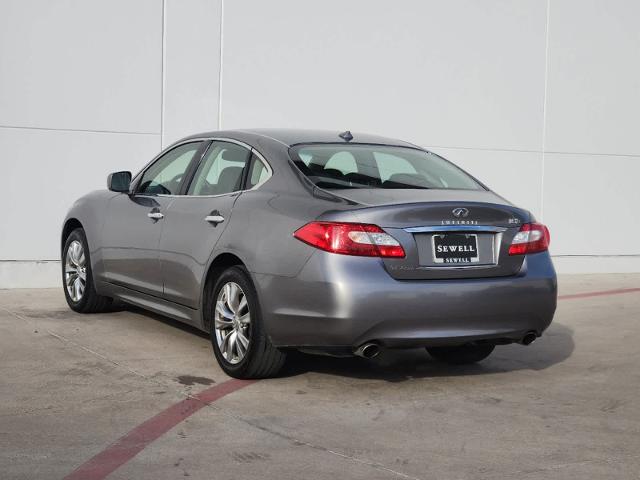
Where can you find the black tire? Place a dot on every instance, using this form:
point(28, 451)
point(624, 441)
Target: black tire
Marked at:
point(90, 302)
point(461, 354)
point(262, 359)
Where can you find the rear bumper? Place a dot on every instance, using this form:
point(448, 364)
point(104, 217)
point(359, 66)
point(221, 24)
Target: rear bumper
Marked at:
point(342, 301)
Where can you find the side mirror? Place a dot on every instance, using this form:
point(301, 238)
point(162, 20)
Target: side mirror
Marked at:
point(119, 182)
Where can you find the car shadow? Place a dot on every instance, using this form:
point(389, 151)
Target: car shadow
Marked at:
point(185, 327)
point(555, 346)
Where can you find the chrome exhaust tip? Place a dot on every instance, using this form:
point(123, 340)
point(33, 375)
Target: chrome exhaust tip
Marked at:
point(529, 338)
point(367, 350)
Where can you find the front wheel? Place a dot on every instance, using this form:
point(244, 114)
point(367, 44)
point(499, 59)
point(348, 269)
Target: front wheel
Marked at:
point(77, 278)
point(461, 354)
point(239, 340)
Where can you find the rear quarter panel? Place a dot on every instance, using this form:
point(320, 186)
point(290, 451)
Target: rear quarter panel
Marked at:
point(261, 231)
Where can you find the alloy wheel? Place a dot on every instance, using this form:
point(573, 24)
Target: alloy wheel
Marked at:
point(75, 271)
point(232, 322)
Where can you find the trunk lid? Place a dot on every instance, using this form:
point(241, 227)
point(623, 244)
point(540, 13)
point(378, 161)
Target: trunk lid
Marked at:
point(446, 234)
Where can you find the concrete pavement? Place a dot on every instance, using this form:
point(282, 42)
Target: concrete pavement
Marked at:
point(565, 407)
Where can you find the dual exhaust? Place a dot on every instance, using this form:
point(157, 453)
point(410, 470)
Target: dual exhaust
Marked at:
point(371, 350)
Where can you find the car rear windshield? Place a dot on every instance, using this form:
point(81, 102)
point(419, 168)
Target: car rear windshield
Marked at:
point(341, 166)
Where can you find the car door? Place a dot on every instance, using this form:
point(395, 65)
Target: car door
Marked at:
point(134, 221)
point(194, 222)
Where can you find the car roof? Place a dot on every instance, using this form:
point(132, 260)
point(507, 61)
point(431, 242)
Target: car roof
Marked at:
point(290, 136)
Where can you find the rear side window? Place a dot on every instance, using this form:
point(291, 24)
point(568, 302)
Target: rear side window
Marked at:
point(377, 166)
point(258, 174)
point(220, 171)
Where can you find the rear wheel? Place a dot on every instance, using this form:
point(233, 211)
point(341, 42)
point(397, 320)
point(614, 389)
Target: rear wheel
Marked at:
point(77, 278)
point(461, 354)
point(240, 343)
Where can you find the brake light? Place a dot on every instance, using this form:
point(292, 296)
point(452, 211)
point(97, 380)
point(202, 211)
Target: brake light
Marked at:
point(532, 238)
point(350, 239)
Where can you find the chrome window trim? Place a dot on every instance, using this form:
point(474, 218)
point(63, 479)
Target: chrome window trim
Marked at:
point(455, 228)
point(206, 139)
point(235, 192)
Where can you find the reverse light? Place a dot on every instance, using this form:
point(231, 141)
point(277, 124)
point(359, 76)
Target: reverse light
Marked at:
point(532, 238)
point(359, 239)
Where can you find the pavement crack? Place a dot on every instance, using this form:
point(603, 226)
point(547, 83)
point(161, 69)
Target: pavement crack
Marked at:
point(289, 438)
point(99, 355)
point(297, 442)
point(615, 460)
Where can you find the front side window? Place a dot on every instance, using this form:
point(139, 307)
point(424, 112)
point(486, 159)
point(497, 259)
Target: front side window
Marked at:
point(378, 166)
point(220, 171)
point(165, 176)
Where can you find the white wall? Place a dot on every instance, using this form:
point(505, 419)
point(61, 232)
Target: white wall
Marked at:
point(538, 99)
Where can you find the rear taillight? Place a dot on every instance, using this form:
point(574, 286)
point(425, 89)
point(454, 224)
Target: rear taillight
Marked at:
point(350, 239)
point(532, 238)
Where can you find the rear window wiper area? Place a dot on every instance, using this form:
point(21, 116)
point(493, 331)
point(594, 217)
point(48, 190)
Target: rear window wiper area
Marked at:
point(328, 182)
point(401, 186)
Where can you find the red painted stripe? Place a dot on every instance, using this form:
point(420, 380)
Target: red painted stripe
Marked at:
point(127, 447)
point(598, 294)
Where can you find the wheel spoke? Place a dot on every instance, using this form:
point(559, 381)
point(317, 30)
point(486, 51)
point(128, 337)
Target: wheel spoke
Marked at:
point(240, 348)
point(227, 298)
point(234, 300)
point(224, 346)
point(76, 289)
point(242, 305)
point(245, 319)
point(223, 324)
point(74, 253)
point(233, 344)
point(223, 318)
point(242, 340)
point(223, 310)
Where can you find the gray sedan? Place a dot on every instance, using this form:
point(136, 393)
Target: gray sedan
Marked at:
point(326, 242)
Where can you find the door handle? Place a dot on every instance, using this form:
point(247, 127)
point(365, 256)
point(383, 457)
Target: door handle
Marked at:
point(215, 219)
point(155, 215)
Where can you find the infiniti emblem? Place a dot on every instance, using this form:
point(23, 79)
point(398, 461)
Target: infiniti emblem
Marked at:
point(460, 212)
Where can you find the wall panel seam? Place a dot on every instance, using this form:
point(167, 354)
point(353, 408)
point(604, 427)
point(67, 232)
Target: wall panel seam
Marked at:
point(80, 130)
point(544, 109)
point(553, 152)
point(220, 56)
point(162, 70)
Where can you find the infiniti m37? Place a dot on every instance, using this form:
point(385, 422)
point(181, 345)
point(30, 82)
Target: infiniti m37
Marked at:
point(327, 242)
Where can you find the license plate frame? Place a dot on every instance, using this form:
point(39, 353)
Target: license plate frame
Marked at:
point(466, 243)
